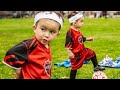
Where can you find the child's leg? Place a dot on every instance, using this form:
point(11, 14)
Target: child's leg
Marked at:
point(92, 56)
point(95, 64)
point(73, 74)
point(94, 61)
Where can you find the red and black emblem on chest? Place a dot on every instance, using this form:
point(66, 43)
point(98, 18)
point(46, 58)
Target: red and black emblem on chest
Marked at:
point(48, 67)
point(80, 39)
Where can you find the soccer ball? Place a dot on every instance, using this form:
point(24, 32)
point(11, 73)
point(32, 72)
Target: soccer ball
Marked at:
point(99, 75)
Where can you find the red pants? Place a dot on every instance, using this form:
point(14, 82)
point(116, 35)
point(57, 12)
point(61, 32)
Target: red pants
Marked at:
point(77, 63)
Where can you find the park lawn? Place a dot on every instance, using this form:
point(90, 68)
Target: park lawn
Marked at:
point(107, 42)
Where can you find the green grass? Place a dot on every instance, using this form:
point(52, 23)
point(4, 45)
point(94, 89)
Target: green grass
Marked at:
point(107, 41)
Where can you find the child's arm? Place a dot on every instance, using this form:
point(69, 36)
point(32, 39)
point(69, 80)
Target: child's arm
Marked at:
point(90, 39)
point(18, 74)
point(68, 44)
point(15, 57)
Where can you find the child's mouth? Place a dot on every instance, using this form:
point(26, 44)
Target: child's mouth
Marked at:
point(45, 41)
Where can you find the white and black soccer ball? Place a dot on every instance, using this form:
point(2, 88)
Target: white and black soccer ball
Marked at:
point(99, 75)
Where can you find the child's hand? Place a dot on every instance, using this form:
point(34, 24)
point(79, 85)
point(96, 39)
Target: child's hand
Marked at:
point(71, 56)
point(91, 38)
point(18, 74)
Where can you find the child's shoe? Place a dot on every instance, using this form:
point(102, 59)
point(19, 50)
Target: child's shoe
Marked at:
point(99, 68)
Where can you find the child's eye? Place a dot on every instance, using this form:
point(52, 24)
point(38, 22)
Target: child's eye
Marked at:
point(52, 32)
point(43, 29)
point(82, 20)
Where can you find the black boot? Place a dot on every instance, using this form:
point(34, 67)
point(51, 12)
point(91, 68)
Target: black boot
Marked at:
point(99, 68)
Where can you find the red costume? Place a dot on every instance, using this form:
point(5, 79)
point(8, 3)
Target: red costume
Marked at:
point(75, 40)
point(32, 57)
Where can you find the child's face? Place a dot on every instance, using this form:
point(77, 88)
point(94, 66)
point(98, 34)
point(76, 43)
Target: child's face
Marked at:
point(79, 22)
point(46, 30)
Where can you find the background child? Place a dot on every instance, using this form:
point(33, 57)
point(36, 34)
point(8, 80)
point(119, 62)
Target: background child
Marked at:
point(74, 44)
point(31, 59)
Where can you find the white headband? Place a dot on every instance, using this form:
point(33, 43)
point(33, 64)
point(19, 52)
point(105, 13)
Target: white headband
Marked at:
point(76, 17)
point(49, 15)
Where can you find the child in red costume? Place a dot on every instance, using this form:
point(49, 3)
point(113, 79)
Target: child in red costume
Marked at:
point(31, 59)
point(74, 44)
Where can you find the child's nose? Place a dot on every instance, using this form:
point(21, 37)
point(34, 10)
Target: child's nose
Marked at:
point(47, 34)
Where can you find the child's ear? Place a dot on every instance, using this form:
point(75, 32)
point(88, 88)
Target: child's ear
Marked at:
point(58, 33)
point(74, 23)
point(34, 28)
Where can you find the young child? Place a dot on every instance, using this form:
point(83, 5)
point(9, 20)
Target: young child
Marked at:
point(74, 44)
point(31, 59)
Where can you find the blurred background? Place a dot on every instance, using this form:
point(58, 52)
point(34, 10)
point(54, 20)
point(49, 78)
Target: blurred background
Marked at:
point(87, 14)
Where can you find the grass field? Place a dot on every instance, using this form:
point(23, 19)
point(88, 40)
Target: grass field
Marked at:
point(107, 41)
